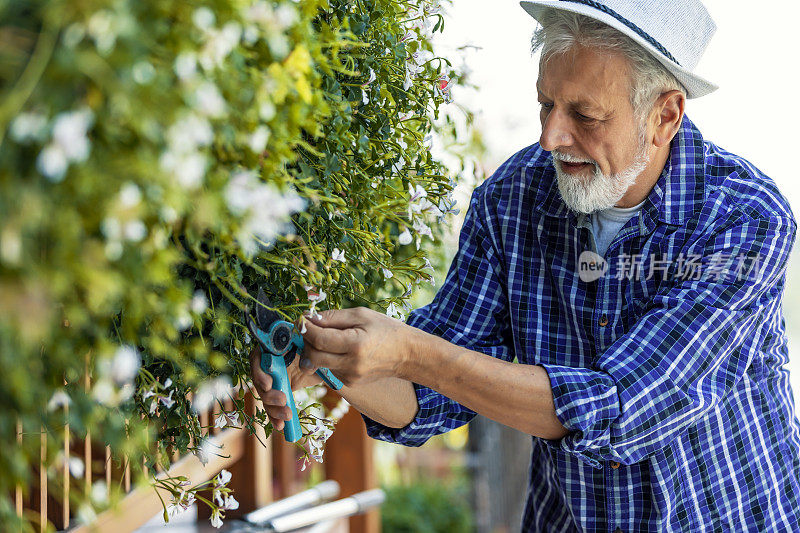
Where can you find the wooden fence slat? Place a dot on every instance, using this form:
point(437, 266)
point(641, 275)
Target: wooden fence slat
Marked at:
point(43, 480)
point(87, 443)
point(107, 464)
point(251, 478)
point(65, 475)
point(349, 460)
point(18, 489)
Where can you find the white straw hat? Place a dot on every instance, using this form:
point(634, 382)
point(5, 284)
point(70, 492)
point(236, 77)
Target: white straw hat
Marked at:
point(674, 32)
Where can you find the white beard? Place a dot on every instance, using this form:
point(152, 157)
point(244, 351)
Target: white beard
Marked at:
point(598, 191)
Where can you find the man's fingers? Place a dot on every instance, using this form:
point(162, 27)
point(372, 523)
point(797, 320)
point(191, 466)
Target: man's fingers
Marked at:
point(261, 379)
point(327, 338)
point(320, 358)
point(340, 318)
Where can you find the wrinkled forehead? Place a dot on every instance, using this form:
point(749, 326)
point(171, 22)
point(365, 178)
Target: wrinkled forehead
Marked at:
point(599, 78)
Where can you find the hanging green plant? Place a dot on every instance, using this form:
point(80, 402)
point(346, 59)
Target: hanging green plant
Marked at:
point(161, 161)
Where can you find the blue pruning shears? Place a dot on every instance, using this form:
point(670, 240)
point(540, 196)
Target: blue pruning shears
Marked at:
point(280, 343)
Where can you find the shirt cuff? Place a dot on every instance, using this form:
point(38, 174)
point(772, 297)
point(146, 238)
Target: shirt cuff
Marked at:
point(586, 404)
point(431, 420)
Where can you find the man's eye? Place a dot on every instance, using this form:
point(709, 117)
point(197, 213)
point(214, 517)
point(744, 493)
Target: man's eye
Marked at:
point(584, 118)
point(546, 105)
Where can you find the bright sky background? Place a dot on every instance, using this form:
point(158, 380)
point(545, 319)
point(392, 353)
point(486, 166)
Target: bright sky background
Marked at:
point(755, 113)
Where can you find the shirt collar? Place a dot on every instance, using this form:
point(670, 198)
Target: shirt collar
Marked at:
point(676, 196)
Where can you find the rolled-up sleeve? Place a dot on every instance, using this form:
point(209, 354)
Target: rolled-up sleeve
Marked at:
point(469, 310)
point(690, 348)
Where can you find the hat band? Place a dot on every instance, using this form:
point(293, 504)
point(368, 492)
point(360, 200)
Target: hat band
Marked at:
point(639, 31)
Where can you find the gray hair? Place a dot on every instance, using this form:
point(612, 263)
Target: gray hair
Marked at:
point(561, 30)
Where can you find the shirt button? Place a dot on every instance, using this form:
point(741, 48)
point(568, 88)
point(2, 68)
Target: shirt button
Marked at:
point(618, 530)
point(603, 321)
point(615, 465)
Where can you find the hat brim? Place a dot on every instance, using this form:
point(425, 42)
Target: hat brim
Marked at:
point(696, 86)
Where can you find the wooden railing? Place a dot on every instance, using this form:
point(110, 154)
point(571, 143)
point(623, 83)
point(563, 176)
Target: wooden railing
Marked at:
point(261, 474)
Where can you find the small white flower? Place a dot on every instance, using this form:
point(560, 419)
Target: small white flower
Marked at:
point(216, 519)
point(407, 81)
point(203, 18)
point(230, 503)
point(317, 296)
point(76, 467)
point(101, 27)
point(168, 383)
point(199, 302)
point(338, 255)
point(219, 44)
point(188, 168)
point(209, 101)
point(86, 514)
point(301, 398)
point(52, 163)
point(29, 127)
point(371, 78)
point(258, 140)
point(386, 273)
point(59, 399)
point(135, 230)
point(168, 402)
point(221, 421)
point(422, 228)
point(188, 133)
point(69, 132)
point(103, 392)
point(222, 478)
point(99, 492)
point(405, 237)
point(130, 195)
point(208, 392)
point(340, 410)
point(207, 447)
point(285, 16)
point(417, 193)
point(125, 364)
point(183, 321)
point(186, 66)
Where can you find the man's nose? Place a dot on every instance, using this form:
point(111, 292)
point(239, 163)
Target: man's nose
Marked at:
point(556, 132)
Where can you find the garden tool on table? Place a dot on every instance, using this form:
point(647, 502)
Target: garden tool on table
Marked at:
point(280, 343)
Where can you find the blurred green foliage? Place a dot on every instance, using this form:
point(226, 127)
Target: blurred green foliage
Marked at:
point(427, 506)
point(159, 161)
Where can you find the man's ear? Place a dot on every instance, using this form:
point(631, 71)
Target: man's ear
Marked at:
point(667, 116)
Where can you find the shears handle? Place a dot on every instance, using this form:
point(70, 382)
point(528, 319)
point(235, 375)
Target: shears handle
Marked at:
point(329, 379)
point(275, 366)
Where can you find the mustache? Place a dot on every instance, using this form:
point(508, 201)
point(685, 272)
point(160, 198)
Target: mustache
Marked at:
point(568, 158)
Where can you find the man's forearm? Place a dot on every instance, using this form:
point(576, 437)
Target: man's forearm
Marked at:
point(513, 394)
point(390, 401)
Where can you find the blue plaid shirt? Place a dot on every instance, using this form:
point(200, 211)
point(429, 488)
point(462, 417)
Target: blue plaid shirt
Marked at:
point(668, 371)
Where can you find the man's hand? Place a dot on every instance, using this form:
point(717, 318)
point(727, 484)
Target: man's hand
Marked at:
point(274, 400)
point(358, 345)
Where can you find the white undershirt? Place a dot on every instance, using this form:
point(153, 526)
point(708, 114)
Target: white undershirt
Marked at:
point(606, 223)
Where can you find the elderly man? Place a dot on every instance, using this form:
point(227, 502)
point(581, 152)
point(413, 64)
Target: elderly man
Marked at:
point(635, 272)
